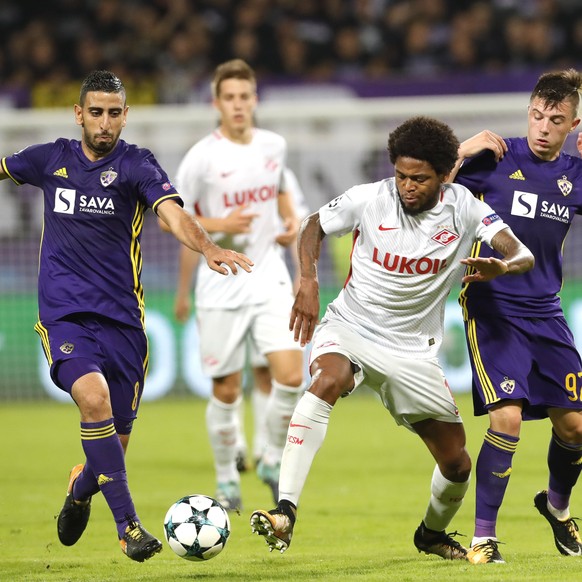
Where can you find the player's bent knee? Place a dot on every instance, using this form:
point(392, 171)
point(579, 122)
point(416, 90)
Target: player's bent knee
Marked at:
point(570, 434)
point(328, 387)
point(457, 469)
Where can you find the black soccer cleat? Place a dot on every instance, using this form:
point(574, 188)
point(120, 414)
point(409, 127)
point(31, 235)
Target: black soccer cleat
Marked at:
point(74, 516)
point(566, 536)
point(138, 544)
point(439, 543)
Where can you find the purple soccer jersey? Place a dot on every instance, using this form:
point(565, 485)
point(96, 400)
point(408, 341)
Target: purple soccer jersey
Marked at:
point(90, 258)
point(531, 196)
point(520, 345)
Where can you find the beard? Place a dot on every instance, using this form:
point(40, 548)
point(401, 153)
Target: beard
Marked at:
point(427, 205)
point(99, 147)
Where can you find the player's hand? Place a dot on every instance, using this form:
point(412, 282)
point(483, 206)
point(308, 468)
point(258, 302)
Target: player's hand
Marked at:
point(289, 234)
point(486, 269)
point(484, 140)
point(579, 143)
point(182, 307)
point(216, 257)
point(305, 311)
point(237, 222)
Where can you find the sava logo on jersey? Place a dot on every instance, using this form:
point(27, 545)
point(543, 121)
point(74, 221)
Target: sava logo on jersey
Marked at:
point(525, 204)
point(400, 264)
point(65, 199)
point(96, 205)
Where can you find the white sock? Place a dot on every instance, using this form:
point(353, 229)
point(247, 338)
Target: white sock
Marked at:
point(241, 439)
point(306, 434)
point(259, 402)
point(561, 514)
point(481, 540)
point(445, 500)
point(280, 407)
point(222, 423)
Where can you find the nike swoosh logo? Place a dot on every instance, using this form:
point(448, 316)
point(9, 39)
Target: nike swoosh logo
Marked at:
point(502, 475)
point(385, 228)
point(293, 425)
point(569, 551)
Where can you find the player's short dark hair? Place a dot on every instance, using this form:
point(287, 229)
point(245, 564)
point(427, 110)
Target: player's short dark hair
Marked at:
point(233, 69)
point(427, 139)
point(558, 86)
point(105, 81)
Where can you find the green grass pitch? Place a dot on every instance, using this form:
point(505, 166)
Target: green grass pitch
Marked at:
point(364, 497)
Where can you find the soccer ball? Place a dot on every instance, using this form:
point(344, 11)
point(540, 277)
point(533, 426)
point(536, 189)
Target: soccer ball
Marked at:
point(197, 527)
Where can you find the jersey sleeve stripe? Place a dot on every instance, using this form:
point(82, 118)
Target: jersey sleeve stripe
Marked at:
point(163, 199)
point(7, 172)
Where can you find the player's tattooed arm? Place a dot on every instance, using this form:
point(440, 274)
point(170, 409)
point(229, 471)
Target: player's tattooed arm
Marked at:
point(517, 259)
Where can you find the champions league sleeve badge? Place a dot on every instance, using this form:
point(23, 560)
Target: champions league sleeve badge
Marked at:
point(108, 177)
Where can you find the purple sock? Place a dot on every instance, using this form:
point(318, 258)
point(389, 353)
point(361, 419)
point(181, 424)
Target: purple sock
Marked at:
point(493, 470)
point(106, 459)
point(85, 484)
point(564, 465)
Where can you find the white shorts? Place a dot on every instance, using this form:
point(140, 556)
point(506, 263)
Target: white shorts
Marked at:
point(255, 358)
point(411, 389)
point(223, 333)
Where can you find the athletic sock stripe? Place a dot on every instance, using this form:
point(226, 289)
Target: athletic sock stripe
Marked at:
point(501, 443)
point(567, 446)
point(91, 434)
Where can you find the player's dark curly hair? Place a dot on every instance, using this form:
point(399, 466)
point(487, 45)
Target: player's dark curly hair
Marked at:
point(427, 139)
point(104, 81)
point(553, 88)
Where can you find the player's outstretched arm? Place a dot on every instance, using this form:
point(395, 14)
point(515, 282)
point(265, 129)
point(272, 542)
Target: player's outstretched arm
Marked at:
point(190, 233)
point(305, 311)
point(484, 140)
point(517, 259)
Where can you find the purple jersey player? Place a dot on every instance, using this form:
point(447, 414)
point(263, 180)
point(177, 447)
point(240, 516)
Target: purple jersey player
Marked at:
point(91, 303)
point(525, 364)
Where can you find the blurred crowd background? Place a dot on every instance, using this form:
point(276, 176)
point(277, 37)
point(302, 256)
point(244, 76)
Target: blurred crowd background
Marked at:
point(167, 49)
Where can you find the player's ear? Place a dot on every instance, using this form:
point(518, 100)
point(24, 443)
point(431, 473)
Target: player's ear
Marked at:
point(78, 114)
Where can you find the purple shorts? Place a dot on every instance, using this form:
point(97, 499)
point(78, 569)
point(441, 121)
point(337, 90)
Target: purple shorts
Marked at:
point(524, 358)
point(118, 351)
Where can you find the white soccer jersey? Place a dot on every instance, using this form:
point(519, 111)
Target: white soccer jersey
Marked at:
point(215, 177)
point(403, 266)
